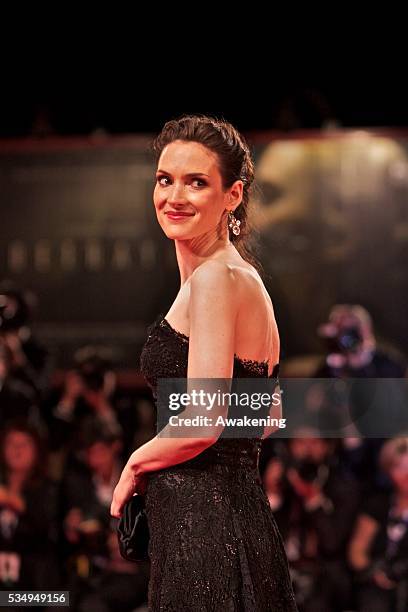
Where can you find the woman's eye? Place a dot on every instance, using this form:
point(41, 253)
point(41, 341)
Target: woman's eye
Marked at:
point(199, 181)
point(196, 182)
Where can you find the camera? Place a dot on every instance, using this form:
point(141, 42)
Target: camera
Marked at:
point(92, 371)
point(92, 364)
point(343, 339)
point(348, 339)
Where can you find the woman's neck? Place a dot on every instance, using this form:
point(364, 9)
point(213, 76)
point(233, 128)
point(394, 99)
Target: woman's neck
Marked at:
point(192, 253)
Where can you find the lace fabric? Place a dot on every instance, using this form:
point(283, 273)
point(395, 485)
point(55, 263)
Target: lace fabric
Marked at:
point(214, 543)
point(170, 348)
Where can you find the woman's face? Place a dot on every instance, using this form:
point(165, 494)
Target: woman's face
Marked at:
point(188, 180)
point(19, 451)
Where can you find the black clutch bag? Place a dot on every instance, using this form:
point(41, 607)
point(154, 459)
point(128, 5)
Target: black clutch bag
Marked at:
point(133, 530)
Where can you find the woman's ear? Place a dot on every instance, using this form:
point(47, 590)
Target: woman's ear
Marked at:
point(236, 192)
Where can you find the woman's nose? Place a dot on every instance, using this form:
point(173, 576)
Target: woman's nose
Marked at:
point(176, 194)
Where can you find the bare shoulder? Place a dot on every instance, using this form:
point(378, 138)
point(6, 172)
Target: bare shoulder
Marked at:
point(212, 271)
point(230, 312)
point(212, 313)
point(231, 281)
point(213, 288)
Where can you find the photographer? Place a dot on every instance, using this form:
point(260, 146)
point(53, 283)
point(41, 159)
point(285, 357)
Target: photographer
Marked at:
point(352, 347)
point(86, 396)
point(352, 353)
point(327, 500)
point(30, 361)
point(378, 551)
point(17, 400)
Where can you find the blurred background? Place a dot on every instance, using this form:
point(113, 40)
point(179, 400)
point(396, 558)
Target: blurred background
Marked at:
point(85, 268)
point(80, 231)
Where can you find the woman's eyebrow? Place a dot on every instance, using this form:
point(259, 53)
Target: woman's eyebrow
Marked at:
point(188, 173)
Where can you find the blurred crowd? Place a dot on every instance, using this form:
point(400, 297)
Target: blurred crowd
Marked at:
point(341, 504)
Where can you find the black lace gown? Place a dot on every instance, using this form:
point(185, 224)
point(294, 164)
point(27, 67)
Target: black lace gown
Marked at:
point(214, 543)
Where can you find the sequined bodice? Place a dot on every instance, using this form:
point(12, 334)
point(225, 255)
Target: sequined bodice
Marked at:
point(165, 355)
point(168, 349)
point(214, 544)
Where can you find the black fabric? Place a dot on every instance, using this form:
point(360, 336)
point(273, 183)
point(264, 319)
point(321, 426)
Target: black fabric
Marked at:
point(133, 530)
point(214, 543)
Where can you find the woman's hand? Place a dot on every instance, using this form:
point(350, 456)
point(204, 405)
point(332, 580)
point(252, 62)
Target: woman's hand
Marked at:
point(129, 484)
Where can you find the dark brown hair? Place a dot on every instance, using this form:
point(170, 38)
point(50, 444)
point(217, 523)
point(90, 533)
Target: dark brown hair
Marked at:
point(235, 162)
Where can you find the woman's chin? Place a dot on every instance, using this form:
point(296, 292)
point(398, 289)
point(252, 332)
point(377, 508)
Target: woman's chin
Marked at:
point(177, 236)
point(176, 233)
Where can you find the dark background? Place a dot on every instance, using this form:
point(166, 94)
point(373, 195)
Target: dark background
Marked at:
point(63, 87)
point(46, 94)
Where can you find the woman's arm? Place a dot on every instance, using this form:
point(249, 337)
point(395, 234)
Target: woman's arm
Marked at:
point(213, 309)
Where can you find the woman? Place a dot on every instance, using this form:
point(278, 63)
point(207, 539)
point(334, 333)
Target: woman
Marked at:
point(214, 544)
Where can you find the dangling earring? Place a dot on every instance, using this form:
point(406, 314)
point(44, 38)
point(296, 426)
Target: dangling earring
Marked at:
point(234, 223)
